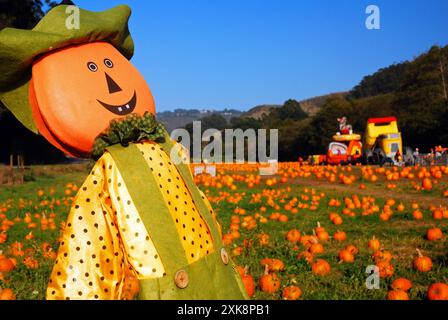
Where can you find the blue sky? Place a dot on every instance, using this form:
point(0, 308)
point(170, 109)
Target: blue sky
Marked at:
point(240, 53)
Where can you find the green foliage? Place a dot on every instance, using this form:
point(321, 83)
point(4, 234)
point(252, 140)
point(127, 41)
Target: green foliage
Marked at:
point(23, 14)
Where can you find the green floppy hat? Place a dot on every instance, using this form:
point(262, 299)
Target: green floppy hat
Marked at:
point(19, 48)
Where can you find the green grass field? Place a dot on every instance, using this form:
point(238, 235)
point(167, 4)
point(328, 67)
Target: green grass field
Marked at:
point(49, 195)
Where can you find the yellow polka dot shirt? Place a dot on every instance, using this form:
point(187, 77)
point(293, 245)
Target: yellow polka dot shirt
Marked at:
point(105, 241)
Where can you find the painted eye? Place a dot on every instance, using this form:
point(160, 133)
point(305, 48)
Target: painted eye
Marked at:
point(92, 66)
point(108, 63)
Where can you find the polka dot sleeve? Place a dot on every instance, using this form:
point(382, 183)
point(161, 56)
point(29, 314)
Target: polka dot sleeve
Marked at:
point(90, 263)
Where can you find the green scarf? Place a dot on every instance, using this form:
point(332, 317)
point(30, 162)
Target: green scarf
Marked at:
point(132, 128)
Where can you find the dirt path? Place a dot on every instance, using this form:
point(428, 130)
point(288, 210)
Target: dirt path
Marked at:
point(422, 199)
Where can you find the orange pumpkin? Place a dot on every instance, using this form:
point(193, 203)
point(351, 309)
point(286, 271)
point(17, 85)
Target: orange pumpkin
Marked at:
point(346, 256)
point(438, 291)
point(248, 282)
point(401, 284)
point(6, 265)
point(374, 244)
point(434, 234)
point(305, 255)
point(7, 294)
point(427, 184)
point(291, 293)
point(422, 263)
point(384, 256)
point(316, 248)
point(352, 248)
point(397, 295)
point(269, 282)
point(321, 267)
point(385, 268)
point(339, 236)
point(417, 214)
point(76, 91)
point(293, 235)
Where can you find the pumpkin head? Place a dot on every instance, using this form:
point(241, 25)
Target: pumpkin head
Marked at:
point(76, 91)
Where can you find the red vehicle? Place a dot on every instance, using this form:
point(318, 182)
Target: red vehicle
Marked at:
point(345, 149)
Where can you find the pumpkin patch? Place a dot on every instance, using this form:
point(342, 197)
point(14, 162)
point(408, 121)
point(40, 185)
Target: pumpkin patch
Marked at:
point(298, 238)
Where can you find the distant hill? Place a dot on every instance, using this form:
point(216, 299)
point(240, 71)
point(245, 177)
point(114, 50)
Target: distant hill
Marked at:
point(259, 111)
point(311, 106)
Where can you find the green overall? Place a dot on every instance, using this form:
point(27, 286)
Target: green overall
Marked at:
point(213, 276)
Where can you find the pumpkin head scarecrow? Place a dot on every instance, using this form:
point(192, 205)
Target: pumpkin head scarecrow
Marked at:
point(138, 223)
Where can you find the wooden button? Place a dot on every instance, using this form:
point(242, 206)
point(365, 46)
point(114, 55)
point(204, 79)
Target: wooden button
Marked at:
point(181, 279)
point(224, 256)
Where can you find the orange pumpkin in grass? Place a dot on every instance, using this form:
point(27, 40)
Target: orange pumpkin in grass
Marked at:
point(7, 294)
point(397, 295)
point(321, 267)
point(422, 263)
point(434, 234)
point(293, 235)
point(92, 83)
point(269, 282)
point(248, 280)
point(339, 236)
point(386, 270)
point(401, 284)
point(438, 291)
point(374, 244)
point(6, 265)
point(291, 293)
point(346, 256)
point(427, 184)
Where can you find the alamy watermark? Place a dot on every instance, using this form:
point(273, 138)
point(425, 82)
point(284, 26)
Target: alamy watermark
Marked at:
point(238, 146)
point(373, 21)
point(73, 20)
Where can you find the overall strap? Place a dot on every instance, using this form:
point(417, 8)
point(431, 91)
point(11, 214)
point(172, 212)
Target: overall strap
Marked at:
point(185, 172)
point(151, 206)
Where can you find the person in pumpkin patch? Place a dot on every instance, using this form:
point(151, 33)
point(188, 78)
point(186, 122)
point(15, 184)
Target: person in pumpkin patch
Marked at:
point(138, 221)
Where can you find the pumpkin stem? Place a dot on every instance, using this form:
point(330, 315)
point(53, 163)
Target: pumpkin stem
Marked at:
point(246, 270)
point(318, 224)
point(266, 269)
point(419, 253)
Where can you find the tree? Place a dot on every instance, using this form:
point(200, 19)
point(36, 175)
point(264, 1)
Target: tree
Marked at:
point(23, 14)
point(16, 139)
point(291, 109)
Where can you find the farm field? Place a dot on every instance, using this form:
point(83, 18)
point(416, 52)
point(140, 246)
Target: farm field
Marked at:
point(308, 232)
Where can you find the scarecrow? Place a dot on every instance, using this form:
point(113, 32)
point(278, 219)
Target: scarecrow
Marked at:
point(138, 223)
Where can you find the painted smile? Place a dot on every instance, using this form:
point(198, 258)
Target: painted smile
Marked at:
point(123, 109)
